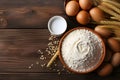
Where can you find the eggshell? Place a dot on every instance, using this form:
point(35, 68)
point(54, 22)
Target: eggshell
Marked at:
point(103, 31)
point(83, 17)
point(97, 14)
point(72, 8)
point(114, 44)
point(85, 4)
point(115, 59)
point(105, 70)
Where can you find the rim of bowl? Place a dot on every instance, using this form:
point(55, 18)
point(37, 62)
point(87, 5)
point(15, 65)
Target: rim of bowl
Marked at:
point(102, 56)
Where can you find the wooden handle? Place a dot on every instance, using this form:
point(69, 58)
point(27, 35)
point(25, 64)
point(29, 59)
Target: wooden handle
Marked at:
point(52, 59)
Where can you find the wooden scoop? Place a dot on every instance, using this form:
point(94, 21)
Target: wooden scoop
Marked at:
point(53, 58)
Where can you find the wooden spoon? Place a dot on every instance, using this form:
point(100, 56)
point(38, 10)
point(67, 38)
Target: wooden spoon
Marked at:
point(53, 58)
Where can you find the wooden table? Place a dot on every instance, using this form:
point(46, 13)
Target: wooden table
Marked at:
point(19, 44)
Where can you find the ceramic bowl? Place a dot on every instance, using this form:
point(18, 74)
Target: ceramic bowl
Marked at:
point(57, 25)
point(95, 66)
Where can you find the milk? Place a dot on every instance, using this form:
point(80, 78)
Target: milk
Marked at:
point(57, 25)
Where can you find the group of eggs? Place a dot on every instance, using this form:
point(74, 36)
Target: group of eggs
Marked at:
point(84, 11)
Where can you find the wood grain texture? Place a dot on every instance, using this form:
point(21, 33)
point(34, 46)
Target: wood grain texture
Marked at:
point(19, 49)
point(29, 76)
point(20, 41)
point(20, 3)
point(30, 13)
point(55, 76)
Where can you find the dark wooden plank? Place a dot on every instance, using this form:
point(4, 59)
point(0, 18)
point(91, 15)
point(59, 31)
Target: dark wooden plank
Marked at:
point(21, 3)
point(55, 76)
point(30, 76)
point(29, 13)
point(18, 49)
point(90, 77)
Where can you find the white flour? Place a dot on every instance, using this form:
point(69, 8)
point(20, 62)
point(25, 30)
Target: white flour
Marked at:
point(81, 50)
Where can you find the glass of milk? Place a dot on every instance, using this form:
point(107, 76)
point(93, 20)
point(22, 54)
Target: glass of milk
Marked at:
point(57, 25)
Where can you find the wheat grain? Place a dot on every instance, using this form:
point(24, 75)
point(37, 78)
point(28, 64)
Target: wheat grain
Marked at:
point(107, 22)
point(111, 26)
point(113, 3)
point(108, 11)
point(111, 7)
point(115, 18)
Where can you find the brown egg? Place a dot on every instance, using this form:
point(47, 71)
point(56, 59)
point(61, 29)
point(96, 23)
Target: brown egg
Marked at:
point(103, 31)
point(115, 59)
point(72, 8)
point(97, 14)
point(83, 17)
point(85, 4)
point(114, 44)
point(105, 70)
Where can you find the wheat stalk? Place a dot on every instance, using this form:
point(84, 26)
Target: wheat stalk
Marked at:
point(117, 4)
point(115, 18)
point(107, 22)
point(111, 7)
point(108, 11)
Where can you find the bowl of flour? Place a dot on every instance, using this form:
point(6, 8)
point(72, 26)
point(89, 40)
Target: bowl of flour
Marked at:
point(81, 50)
